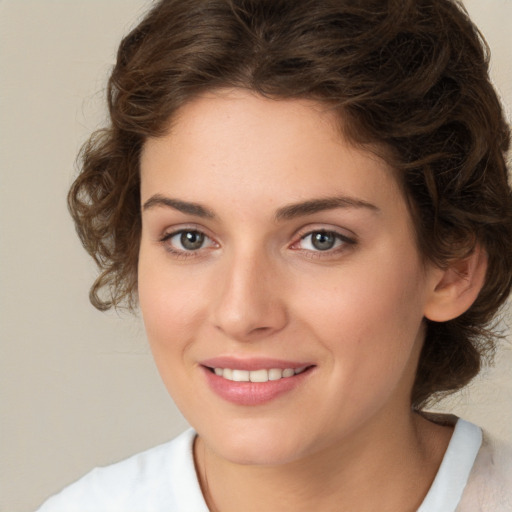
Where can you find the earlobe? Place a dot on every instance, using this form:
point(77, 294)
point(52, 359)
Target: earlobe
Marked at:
point(456, 288)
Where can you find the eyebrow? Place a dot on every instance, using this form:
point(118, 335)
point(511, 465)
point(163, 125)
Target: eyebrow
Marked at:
point(288, 212)
point(317, 205)
point(182, 206)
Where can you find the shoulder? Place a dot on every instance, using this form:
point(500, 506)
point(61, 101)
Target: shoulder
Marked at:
point(489, 487)
point(154, 480)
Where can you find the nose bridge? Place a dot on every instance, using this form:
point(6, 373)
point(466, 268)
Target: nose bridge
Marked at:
point(249, 302)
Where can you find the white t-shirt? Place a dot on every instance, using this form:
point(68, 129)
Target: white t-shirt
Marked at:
point(475, 476)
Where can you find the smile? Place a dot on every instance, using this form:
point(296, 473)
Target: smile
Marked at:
point(262, 375)
point(255, 381)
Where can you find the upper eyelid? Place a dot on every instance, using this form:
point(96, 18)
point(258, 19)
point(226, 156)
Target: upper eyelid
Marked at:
point(170, 234)
point(179, 228)
point(333, 231)
point(343, 240)
point(341, 232)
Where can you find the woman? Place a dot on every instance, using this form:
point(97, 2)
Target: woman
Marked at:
point(309, 202)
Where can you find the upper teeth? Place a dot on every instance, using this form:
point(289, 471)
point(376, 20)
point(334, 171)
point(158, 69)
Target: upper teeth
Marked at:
point(257, 375)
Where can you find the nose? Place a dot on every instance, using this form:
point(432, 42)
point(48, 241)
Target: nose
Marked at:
point(251, 299)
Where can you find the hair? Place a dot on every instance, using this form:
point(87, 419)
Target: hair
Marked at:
point(410, 76)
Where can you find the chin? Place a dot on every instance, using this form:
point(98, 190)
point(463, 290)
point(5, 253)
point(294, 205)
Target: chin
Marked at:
point(259, 445)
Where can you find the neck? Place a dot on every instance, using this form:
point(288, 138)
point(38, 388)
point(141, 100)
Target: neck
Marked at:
point(388, 465)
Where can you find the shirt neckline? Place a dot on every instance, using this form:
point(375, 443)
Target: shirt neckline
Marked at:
point(446, 491)
point(444, 494)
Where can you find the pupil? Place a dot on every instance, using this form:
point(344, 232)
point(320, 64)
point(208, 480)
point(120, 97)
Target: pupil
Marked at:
point(323, 241)
point(192, 240)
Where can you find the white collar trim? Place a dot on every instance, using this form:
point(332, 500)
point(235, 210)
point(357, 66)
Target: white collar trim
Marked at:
point(451, 479)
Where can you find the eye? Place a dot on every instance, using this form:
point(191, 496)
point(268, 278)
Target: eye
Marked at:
point(323, 240)
point(187, 240)
point(190, 240)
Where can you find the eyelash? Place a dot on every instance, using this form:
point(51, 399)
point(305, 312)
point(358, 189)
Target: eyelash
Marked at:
point(185, 253)
point(341, 242)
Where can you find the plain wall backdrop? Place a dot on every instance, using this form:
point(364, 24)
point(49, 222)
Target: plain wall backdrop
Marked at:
point(78, 388)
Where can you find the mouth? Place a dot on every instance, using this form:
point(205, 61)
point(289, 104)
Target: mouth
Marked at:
point(256, 381)
point(261, 375)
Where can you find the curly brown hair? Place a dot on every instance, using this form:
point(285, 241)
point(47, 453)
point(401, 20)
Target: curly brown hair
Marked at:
point(410, 76)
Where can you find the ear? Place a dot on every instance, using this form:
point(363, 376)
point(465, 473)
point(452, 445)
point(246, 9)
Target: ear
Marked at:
point(456, 287)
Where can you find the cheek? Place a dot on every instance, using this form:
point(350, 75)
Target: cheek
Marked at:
point(170, 313)
point(170, 304)
point(369, 318)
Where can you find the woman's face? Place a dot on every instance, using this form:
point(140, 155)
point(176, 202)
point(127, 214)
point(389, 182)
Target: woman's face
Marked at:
point(276, 254)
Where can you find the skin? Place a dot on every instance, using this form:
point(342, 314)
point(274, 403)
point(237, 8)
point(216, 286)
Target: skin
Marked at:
point(258, 287)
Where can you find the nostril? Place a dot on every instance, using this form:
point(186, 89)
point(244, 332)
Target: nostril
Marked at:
point(260, 329)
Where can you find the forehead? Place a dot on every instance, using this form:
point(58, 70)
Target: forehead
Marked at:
point(240, 141)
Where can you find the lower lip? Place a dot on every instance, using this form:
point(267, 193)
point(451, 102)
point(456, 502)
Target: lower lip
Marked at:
point(253, 393)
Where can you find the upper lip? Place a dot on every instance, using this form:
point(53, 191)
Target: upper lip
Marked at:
point(253, 363)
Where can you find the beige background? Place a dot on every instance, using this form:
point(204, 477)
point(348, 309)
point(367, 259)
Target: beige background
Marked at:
point(78, 388)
